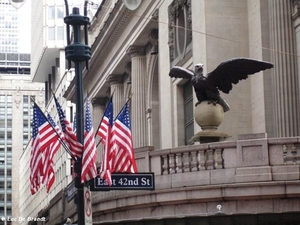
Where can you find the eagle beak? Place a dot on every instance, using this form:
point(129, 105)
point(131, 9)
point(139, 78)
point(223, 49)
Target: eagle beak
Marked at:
point(199, 67)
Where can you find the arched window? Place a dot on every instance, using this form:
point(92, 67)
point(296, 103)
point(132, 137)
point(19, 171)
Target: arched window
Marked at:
point(180, 31)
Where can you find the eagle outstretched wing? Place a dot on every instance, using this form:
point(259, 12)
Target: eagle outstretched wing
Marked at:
point(180, 72)
point(232, 71)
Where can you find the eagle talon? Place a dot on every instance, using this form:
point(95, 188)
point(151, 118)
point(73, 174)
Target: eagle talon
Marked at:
point(212, 102)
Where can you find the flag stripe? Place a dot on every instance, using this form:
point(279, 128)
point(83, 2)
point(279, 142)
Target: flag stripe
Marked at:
point(75, 146)
point(104, 132)
point(89, 169)
point(49, 171)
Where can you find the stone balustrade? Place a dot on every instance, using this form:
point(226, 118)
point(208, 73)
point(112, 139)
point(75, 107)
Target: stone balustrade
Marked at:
point(254, 174)
point(253, 158)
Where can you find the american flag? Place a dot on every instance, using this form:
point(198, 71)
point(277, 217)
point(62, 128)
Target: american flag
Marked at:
point(89, 168)
point(43, 135)
point(106, 124)
point(74, 123)
point(123, 160)
point(70, 136)
point(104, 132)
point(50, 151)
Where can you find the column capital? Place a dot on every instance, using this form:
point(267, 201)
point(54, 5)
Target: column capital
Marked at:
point(297, 10)
point(128, 68)
point(99, 101)
point(153, 38)
point(297, 3)
point(115, 79)
point(134, 51)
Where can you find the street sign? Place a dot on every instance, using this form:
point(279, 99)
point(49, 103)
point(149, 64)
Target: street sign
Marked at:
point(87, 206)
point(71, 191)
point(125, 181)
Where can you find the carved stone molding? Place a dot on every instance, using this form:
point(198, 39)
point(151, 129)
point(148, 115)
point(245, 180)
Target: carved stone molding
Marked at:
point(134, 51)
point(115, 79)
point(153, 38)
point(40, 98)
point(18, 97)
point(99, 101)
point(297, 3)
point(173, 13)
point(128, 69)
point(297, 9)
point(155, 15)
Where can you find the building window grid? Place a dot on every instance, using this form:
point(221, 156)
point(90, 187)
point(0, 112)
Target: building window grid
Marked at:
point(27, 117)
point(56, 31)
point(5, 154)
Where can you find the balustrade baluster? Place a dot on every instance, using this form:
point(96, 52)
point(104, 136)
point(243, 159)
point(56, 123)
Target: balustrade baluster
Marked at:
point(202, 164)
point(165, 164)
point(210, 160)
point(195, 161)
point(186, 162)
point(179, 162)
point(172, 163)
point(218, 158)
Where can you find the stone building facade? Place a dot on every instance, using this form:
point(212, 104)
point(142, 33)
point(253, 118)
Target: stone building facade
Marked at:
point(254, 172)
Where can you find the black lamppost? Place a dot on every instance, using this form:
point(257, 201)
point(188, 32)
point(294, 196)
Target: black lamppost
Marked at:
point(78, 53)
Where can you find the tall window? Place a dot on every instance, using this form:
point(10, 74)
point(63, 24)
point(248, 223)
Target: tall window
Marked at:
point(188, 112)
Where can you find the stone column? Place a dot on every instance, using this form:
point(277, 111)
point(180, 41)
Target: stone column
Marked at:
point(285, 78)
point(116, 87)
point(138, 108)
point(152, 94)
point(99, 106)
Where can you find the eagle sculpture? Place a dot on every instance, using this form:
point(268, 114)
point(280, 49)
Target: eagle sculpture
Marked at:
point(229, 72)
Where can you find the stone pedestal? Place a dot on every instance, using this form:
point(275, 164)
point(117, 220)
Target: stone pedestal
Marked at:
point(209, 117)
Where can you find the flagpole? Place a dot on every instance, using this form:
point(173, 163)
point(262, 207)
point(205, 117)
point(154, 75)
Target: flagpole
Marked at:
point(62, 141)
point(78, 52)
point(59, 138)
point(128, 99)
point(103, 117)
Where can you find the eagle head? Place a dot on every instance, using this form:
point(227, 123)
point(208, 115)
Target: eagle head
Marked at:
point(199, 69)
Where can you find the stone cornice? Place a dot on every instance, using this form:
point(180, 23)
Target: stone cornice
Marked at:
point(114, 24)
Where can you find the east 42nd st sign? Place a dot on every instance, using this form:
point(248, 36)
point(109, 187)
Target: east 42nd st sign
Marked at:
point(124, 181)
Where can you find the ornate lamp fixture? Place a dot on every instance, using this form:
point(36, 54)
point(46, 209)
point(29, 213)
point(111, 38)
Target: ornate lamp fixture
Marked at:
point(17, 3)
